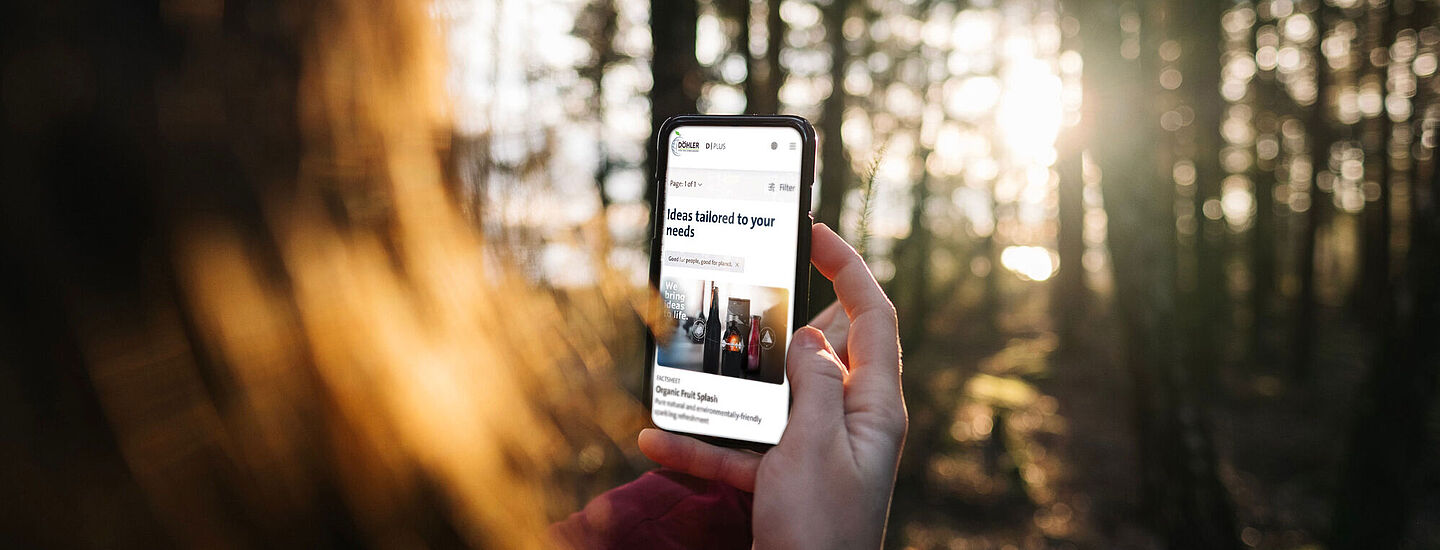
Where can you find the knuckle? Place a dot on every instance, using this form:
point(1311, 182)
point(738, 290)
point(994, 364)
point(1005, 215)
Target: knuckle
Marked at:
point(884, 311)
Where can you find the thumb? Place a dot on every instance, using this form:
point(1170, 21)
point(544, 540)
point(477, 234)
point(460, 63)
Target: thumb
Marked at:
point(817, 381)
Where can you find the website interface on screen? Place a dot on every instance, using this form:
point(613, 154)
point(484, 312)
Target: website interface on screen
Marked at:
point(727, 277)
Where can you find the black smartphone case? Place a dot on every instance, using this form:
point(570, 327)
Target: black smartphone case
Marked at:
point(802, 243)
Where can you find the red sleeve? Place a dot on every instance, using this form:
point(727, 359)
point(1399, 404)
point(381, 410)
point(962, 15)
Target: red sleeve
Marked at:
point(661, 509)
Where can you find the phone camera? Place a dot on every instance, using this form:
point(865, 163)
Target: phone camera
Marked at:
point(774, 146)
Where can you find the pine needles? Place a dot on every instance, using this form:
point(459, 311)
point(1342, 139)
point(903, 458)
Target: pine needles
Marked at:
point(867, 205)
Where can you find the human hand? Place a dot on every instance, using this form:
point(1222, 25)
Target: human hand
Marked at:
point(827, 484)
point(836, 326)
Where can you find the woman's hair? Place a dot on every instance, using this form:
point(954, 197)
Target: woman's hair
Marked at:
point(247, 311)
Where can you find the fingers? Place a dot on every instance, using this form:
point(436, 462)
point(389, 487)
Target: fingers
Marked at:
point(836, 326)
point(733, 467)
point(826, 316)
point(854, 285)
point(817, 383)
point(873, 340)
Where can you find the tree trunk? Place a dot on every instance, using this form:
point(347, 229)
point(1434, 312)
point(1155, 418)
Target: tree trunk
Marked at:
point(597, 25)
point(835, 164)
point(1374, 507)
point(1264, 289)
point(762, 74)
point(1387, 439)
point(768, 100)
point(740, 11)
point(1189, 508)
point(1199, 27)
point(676, 73)
point(1317, 130)
point(917, 248)
point(835, 174)
point(988, 309)
point(1069, 297)
point(1375, 269)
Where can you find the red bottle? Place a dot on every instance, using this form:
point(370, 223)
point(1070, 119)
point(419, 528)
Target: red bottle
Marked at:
point(752, 364)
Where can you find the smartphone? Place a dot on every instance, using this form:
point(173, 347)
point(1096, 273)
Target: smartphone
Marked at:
point(730, 257)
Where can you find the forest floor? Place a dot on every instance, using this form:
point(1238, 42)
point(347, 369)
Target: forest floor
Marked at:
point(1015, 443)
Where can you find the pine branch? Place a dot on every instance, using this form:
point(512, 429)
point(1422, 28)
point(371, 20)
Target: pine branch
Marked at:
point(867, 205)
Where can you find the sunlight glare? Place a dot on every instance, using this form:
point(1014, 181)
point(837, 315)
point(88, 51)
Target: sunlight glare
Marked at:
point(1031, 263)
point(1030, 111)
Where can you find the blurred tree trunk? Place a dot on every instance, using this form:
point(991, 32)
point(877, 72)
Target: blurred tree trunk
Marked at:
point(1375, 266)
point(1198, 26)
point(989, 307)
point(762, 74)
point(1264, 287)
point(913, 283)
point(1373, 508)
point(740, 11)
point(913, 276)
point(596, 24)
point(1318, 136)
point(768, 100)
point(835, 174)
point(835, 164)
point(1387, 442)
point(1069, 297)
point(1188, 506)
point(676, 80)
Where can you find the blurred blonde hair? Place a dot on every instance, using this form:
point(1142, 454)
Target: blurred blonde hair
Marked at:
point(372, 356)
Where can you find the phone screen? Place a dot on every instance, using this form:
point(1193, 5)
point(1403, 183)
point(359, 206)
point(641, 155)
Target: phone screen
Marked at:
point(728, 244)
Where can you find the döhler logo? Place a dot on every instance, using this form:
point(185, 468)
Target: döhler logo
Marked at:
point(679, 145)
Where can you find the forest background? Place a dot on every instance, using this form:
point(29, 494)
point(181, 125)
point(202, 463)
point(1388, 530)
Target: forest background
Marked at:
point(1166, 270)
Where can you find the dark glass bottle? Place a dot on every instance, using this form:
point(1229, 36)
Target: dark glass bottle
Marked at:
point(712, 333)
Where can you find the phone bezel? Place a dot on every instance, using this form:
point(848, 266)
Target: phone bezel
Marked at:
point(802, 238)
